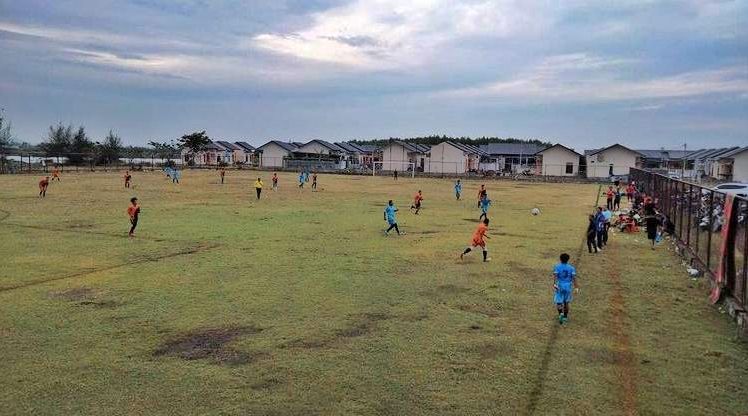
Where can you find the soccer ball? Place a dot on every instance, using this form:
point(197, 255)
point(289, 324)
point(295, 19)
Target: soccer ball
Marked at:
point(535, 211)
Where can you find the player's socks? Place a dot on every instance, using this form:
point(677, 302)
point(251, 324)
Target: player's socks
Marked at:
point(485, 255)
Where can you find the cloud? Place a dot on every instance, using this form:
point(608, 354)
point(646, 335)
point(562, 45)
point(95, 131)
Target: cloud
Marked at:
point(390, 34)
point(582, 77)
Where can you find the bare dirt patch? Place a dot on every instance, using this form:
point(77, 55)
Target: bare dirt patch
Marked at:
point(603, 355)
point(488, 351)
point(75, 294)
point(211, 343)
point(104, 304)
point(361, 324)
point(490, 311)
point(450, 289)
point(266, 384)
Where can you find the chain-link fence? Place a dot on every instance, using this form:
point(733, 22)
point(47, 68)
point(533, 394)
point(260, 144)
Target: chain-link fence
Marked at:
point(710, 225)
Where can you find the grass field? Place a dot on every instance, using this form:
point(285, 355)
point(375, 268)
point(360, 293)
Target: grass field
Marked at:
point(297, 304)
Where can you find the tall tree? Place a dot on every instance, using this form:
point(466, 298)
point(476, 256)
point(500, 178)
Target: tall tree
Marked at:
point(7, 141)
point(163, 150)
point(110, 150)
point(80, 147)
point(58, 140)
point(194, 143)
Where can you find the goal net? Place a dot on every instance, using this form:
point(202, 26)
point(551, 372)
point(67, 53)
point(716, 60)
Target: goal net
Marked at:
point(389, 167)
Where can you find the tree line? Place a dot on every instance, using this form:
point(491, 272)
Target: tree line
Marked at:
point(435, 139)
point(75, 144)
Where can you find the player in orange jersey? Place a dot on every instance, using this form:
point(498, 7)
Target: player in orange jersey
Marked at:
point(479, 240)
point(133, 211)
point(417, 201)
point(43, 184)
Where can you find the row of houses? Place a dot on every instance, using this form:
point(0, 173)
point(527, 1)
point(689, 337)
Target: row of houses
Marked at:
point(456, 158)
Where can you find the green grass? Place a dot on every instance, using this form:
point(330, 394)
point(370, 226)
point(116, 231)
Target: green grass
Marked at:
point(297, 304)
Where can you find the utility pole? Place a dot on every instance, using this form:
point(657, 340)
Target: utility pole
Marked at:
point(683, 168)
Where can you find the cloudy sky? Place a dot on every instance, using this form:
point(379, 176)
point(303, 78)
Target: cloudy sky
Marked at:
point(584, 73)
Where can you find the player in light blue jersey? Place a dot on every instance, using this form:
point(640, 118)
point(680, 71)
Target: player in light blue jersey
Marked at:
point(565, 280)
point(484, 204)
point(389, 216)
point(458, 189)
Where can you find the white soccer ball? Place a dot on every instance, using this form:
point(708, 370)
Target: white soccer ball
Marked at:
point(535, 211)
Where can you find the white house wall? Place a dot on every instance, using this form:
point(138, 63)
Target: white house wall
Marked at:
point(272, 156)
point(394, 157)
point(446, 158)
point(740, 167)
point(621, 159)
point(555, 160)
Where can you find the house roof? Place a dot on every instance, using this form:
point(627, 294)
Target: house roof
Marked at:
point(720, 152)
point(245, 146)
point(468, 148)
point(285, 145)
point(368, 148)
point(228, 145)
point(510, 149)
point(699, 153)
point(328, 145)
point(610, 147)
point(349, 147)
point(214, 146)
point(558, 145)
point(666, 154)
point(734, 152)
point(412, 147)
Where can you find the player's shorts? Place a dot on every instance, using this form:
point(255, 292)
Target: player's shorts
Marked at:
point(563, 294)
point(391, 222)
point(418, 205)
point(481, 244)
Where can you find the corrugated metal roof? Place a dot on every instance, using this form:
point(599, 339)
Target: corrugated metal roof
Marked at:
point(348, 147)
point(510, 149)
point(245, 146)
point(285, 145)
point(214, 146)
point(733, 152)
point(559, 145)
point(228, 145)
point(612, 146)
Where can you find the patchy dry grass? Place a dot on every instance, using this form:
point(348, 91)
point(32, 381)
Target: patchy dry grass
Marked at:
point(296, 304)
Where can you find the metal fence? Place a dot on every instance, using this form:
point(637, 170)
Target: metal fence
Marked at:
point(710, 225)
point(26, 162)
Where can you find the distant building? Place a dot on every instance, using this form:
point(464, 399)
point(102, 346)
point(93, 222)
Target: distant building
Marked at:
point(558, 160)
point(249, 155)
point(733, 165)
point(211, 155)
point(511, 157)
point(360, 154)
point(454, 158)
point(615, 160)
point(397, 155)
point(319, 149)
point(274, 152)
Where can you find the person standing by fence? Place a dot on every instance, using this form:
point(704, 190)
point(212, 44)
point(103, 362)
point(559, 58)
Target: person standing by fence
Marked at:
point(609, 197)
point(650, 217)
point(591, 234)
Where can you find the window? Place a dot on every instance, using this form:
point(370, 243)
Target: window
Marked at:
point(569, 168)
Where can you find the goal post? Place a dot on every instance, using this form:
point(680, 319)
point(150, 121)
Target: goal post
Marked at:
point(390, 166)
